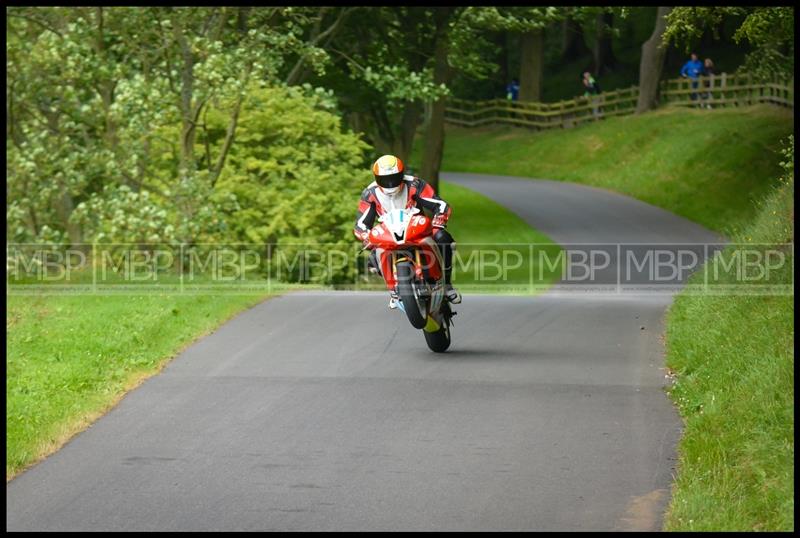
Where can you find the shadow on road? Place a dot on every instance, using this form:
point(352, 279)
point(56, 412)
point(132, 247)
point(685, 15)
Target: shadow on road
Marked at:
point(485, 354)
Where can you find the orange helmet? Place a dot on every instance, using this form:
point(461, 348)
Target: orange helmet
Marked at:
point(388, 172)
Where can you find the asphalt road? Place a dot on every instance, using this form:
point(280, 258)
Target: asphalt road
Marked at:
point(325, 411)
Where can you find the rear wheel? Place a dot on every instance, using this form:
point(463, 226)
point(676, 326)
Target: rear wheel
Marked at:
point(405, 289)
point(438, 341)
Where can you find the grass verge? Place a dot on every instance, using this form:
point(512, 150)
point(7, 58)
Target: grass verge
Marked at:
point(733, 356)
point(709, 166)
point(71, 358)
point(494, 253)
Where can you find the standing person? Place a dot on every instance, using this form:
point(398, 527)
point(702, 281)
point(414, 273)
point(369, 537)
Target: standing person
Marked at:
point(693, 69)
point(708, 71)
point(592, 92)
point(512, 90)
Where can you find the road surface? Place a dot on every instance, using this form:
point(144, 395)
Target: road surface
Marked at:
point(325, 411)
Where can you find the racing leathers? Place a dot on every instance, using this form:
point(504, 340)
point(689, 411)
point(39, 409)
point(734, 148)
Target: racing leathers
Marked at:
point(414, 192)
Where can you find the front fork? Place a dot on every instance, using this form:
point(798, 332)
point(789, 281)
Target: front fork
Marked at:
point(438, 309)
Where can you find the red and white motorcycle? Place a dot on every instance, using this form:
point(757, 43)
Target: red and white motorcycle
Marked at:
point(411, 265)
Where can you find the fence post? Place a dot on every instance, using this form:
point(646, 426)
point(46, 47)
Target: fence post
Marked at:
point(783, 91)
point(773, 91)
point(687, 86)
point(768, 90)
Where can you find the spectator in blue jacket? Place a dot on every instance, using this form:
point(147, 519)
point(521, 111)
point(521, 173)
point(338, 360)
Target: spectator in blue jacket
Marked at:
point(693, 69)
point(512, 90)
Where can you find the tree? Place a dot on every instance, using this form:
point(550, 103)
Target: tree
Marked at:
point(531, 65)
point(573, 45)
point(328, 22)
point(442, 74)
point(652, 63)
point(93, 94)
point(389, 63)
point(602, 52)
point(530, 23)
point(382, 73)
point(466, 30)
point(293, 174)
point(461, 44)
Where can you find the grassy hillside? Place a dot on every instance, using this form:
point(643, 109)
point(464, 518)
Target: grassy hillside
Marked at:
point(706, 165)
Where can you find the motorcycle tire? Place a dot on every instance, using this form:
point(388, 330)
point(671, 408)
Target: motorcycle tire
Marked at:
point(405, 289)
point(438, 341)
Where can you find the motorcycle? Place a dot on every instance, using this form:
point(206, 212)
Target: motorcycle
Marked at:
point(411, 263)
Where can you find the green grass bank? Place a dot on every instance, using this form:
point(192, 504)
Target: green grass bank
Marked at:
point(709, 166)
point(733, 357)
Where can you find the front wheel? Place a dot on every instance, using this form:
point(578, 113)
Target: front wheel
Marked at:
point(405, 289)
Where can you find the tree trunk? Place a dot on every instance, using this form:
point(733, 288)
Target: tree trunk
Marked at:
point(384, 133)
point(230, 134)
point(188, 116)
point(652, 63)
point(12, 129)
point(501, 42)
point(412, 117)
point(604, 59)
point(572, 45)
point(106, 86)
point(434, 134)
point(531, 63)
point(241, 19)
point(300, 71)
point(64, 208)
point(187, 121)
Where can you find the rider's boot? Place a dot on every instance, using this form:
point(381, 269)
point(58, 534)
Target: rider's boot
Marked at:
point(446, 246)
point(393, 299)
point(372, 263)
point(452, 294)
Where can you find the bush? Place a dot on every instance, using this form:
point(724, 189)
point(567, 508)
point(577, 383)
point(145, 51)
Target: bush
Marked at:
point(295, 174)
point(292, 176)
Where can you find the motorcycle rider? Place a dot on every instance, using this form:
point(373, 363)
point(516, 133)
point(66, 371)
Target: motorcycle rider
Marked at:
point(393, 189)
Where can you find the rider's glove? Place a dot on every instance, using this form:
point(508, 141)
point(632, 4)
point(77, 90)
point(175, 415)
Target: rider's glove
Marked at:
point(365, 240)
point(439, 221)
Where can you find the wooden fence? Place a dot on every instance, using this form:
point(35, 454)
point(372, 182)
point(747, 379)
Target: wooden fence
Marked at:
point(723, 90)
